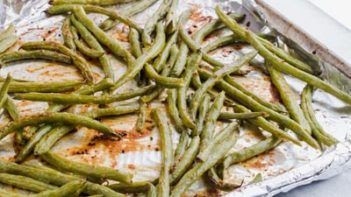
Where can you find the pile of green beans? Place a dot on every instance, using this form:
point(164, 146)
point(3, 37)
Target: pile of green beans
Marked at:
point(185, 88)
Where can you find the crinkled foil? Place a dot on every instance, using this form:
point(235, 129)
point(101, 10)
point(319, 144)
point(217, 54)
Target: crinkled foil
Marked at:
point(286, 167)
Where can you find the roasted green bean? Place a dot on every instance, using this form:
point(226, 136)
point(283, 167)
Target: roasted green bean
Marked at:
point(71, 189)
point(169, 82)
point(4, 89)
point(219, 151)
point(23, 87)
point(221, 41)
point(181, 146)
point(163, 187)
point(67, 34)
point(135, 187)
point(210, 121)
point(317, 130)
point(203, 109)
point(98, 172)
point(173, 110)
point(35, 54)
point(25, 183)
point(251, 151)
point(287, 96)
point(247, 115)
point(78, 61)
point(186, 159)
point(135, 46)
point(162, 59)
point(54, 117)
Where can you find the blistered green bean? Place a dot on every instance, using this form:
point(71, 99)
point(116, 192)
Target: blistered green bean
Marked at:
point(85, 169)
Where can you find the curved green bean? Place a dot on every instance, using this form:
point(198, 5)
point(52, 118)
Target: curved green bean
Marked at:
point(317, 130)
point(25, 183)
point(85, 169)
point(94, 2)
point(35, 54)
point(251, 151)
point(173, 110)
point(218, 75)
point(186, 159)
point(135, 46)
point(67, 34)
point(169, 82)
point(71, 189)
point(210, 121)
point(78, 61)
point(94, 44)
point(254, 105)
point(163, 187)
point(84, 99)
point(162, 59)
point(287, 96)
point(219, 151)
point(188, 40)
point(4, 89)
point(203, 109)
point(220, 183)
point(193, 62)
point(153, 51)
point(54, 117)
point(221, 41)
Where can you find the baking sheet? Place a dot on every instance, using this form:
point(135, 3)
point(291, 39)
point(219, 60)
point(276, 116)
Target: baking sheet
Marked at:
point(284, 168)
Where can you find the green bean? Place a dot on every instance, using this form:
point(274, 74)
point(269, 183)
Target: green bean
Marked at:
point(11, 108)
point(25, 183)
point(203, 109)
point(173, 110)
point(162, 59)
point(181, 147)
point(135, 46)
point(219, 151)
point(54, 117)
point(169, 82)
point(218, 75)
point(139, 126)
point(218, 182)
point(94, 2)
point(23, 87)
point(181, 60)
point(78, 61)
point(210, 121)
point(188, 40)
point(128, 11)
point(221, 41)
point(217, 139)
point(186, 159)
point(4, 89)
point(252, 104)
point(251, 151)
point(317, 130)
point(71, 189)
point(163, 188)
point(98, 172)
point(247, 115)
point(54, 177)
point(152, 21)
point(275, 107)
point(35, 54)
point(193, 62)
point(172, 60)
point(67, 34)
point(94, 44)
point(135, 187)
point(11, 30)
point(83, 48)
point(266, 125)
point(112, 14)
point(112, 111)
point(84, 99)
point(153, 51)
point(280, 65)
point(287, 96)
point(114, 45)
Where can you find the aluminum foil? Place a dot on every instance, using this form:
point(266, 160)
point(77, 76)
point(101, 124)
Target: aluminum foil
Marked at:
point(286, 167)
